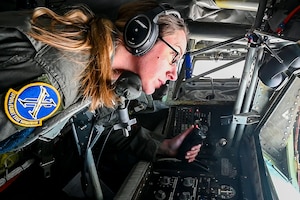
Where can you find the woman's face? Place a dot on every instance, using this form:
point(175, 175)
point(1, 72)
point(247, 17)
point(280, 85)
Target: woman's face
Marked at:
point(156, 67)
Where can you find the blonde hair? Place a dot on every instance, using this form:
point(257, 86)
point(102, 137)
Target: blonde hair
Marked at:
point(79, 30)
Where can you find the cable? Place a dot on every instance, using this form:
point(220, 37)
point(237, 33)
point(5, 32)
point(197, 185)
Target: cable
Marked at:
point(104, 143)
point(91, 132)
point(287, 19)
point(281, 26)
point(84, 178)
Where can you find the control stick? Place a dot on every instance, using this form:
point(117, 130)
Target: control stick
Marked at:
point(197, 135)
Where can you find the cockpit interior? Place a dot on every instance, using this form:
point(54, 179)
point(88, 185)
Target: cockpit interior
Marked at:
point(239, 81)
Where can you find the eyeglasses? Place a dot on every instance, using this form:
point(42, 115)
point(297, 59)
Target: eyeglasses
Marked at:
point(175, 59)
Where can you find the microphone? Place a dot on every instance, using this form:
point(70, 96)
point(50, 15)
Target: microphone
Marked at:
point(128, 87)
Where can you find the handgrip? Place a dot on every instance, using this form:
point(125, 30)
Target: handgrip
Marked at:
point(194, 138)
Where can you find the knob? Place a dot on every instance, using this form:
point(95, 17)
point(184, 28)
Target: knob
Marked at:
point(160, 195)
point(165, 180)
point(188, 182)
point(185, 196)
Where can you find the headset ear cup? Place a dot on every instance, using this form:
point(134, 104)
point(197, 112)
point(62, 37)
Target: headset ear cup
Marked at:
point(141, 32)
point(140, 35)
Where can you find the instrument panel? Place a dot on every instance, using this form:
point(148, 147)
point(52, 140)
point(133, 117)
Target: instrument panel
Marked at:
point(186, 184)
point(219, 172)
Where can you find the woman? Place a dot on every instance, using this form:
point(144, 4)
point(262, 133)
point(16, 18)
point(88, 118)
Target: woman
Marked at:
point(76, 54)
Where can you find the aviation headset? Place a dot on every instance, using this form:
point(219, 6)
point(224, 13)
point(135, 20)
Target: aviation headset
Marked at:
point(141, 31)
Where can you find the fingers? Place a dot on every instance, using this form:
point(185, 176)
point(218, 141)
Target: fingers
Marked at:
point(192, 154)
point(187, 131)
point(177, 140)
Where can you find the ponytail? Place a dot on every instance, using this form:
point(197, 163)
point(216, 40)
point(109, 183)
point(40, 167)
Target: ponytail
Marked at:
point(79, 30)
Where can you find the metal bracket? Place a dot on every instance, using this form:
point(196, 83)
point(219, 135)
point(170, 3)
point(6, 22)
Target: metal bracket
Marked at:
point(242, 118)
point(47, 167)
point(126, 127)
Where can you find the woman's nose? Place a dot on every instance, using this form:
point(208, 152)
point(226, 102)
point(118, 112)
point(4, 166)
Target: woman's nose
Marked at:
point(172, 74)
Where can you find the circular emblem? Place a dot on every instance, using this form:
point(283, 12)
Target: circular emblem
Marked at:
point(32, 104)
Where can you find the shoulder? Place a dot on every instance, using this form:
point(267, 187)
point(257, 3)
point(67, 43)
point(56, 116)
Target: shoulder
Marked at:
point(16, 19)
point(15, 25)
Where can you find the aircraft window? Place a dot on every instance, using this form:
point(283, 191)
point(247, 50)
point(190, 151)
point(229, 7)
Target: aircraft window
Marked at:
point(205, 66)
point(282, 185)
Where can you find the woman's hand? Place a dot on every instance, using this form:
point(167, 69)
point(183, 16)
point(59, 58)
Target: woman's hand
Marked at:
point(170, 147)
point(191, 155)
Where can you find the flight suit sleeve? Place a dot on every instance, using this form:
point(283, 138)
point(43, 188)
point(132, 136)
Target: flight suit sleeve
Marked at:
point(139, 143)
point(144, 145)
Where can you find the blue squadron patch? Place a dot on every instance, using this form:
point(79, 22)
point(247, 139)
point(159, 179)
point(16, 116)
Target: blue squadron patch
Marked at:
point(32, 104)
